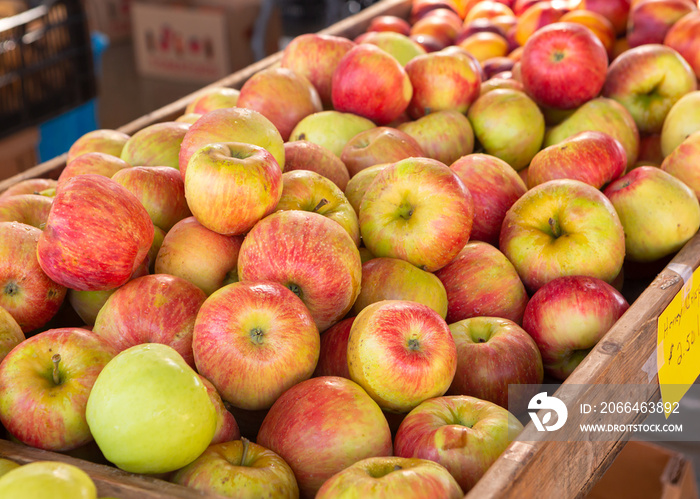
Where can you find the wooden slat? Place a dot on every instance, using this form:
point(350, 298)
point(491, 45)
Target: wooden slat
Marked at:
point(110, 481)
point(570, 469)
point(349, 28)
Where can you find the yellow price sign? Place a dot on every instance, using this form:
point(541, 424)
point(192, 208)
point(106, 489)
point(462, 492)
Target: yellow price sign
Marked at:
point(678, 341)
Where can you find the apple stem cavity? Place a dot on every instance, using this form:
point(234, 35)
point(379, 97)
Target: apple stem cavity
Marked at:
point(256, 335)
point(11, 288)
point(244, 456)
point(413, 344)
point(56, 358)
point(406, 211)
point(323, 202)
point(295, 289)
point(554, 225)
point(397, 467)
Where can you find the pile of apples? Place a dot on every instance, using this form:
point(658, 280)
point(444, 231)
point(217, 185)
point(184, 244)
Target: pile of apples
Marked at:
point(356, 254)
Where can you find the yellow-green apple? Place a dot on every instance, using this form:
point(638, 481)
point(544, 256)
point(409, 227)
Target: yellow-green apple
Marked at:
point(591, 157)
point(499, 82)
point(602, 115)
point(563, 227)
point(7, 465)
point(480, 281)
point(464, 434)
point(160, 189)
point(390, 23)
point(536, 17)
point(26, 292)
point(309, 191)
point(682, 120)
point(567, 317)
point(323, 425)
point(157, 308)
point(615, 11)
point(149, 411)
point(648, 80)
point(401, 218)
point(11, 333)
point(264, 330)
point(29, 209)
point(682, 162)
point(87, 304)
point(370, 82)
point(485, 45)
point(230, 186)
point(310, 254)
point(443, 135)
point(601, 27)
point(442, 80)
point(400, 46)
point(213, 98)
point(330, 129)
point(241, 469)
point(563, 65)
point(494, 187)
point(96, 235)
point(43, 479)
point(282, 96)
point(45, 382)
point(106, 141)
point(402, 353)
point(188, 118)
point(658, 212)
point(156, 145)
point(683, 38)
point(385, 477)
point(316, 56)
point(233, 124)
point(92, 162)
point(199, 255)
point(378, 145)
point(226, 425)
point(509, 125)
point(305, 155)
point(357, 186)
point(333, 356)
point(30, 186)
point(493, 353)
point(650, 20)
point(395, 279)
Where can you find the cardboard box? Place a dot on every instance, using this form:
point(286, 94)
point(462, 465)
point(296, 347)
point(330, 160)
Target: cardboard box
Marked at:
point(647, 471)
point(111, 17)
point(198, 40)
point(18, 152)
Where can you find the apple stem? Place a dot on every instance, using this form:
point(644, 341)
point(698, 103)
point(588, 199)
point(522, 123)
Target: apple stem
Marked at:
point(323, 202)
point(56, 359)
point(244, 456)
point(556, 230)
point(397, 467)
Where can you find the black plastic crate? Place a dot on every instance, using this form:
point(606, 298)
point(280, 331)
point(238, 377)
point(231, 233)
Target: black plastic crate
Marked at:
point(46, 63)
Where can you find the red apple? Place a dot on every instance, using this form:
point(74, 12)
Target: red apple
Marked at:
point(370, 82)
point(568, 316)
point(615, 11)
point(683, 38)
point(105, 141)
point(591, 157)
point(682, 162)
point(378, 145)
point(493, 353)
point(390, 23)
point(536, 17)
point(30, 186)
point(226, 425)
point(155, 145)
point(401, 353)
point(494, 187)
point(601, 27)
point(323, 425)
point(213, 98)
point(333, 358)
point(464, 434)
point(266, 336)
point(480, 281)
point(30, 209)
point(316, 56)
point(282, 96)
point(44, 385)
point(230, 186)
point(311, 255)
point(92, 162)
point(96, 235)
point(305, 155)
point(650, 20)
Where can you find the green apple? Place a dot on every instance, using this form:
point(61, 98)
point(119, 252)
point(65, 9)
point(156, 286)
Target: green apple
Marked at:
point(682, 120)
point(10, 333)
point(357, 186)
point(330, 129)
point(399, 45)
point(47, 480)
point(7, 465)
point(106, 141)
point(155, 145)
point(149, 411)
point(509, 125)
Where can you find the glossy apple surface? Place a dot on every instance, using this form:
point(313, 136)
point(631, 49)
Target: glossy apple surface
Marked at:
point(305, 155)
point(92, 162)
point(29, 209)
point(155, 145)
point(376, 146)
point(333, 358)
point(442, 135)
point(33, 480)
point(330, 129)
point(213, 98)
point(105, 141)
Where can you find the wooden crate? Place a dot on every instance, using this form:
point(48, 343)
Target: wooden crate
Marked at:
point(526, 469)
